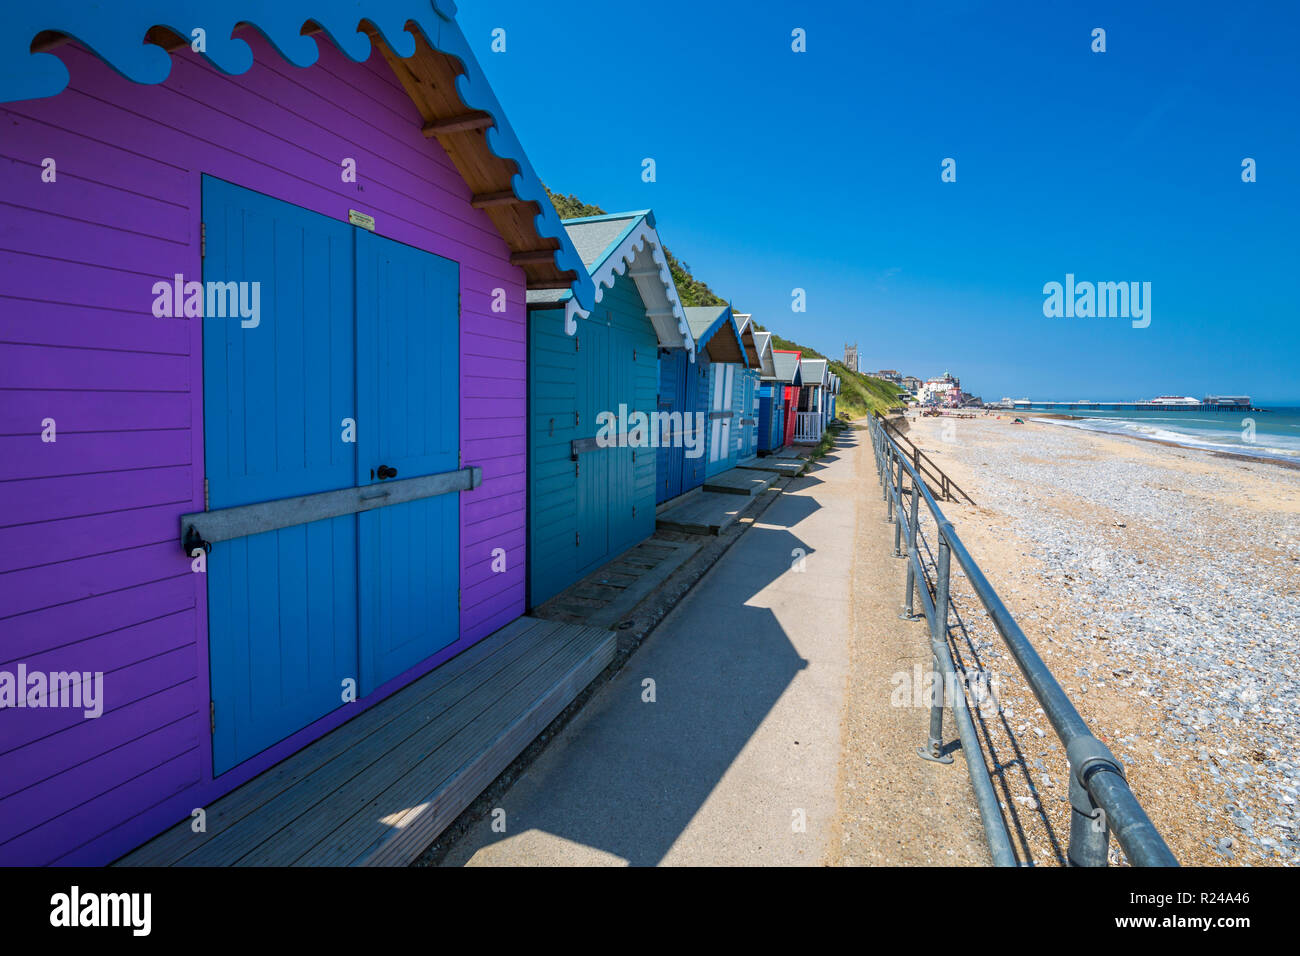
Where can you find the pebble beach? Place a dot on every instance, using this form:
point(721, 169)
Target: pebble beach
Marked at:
point(1162, 586)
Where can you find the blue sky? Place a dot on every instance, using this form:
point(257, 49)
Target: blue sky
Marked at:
point(821, 170)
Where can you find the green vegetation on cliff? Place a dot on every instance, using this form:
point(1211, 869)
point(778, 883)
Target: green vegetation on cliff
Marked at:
point(690, 290)
point(859, 393)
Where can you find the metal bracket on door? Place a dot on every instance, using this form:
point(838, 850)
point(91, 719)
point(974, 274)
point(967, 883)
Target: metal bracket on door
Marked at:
point(202, 528)
point(713, 415)
point(579, 446)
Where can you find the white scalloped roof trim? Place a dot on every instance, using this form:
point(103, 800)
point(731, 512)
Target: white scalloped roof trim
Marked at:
point(643, 238)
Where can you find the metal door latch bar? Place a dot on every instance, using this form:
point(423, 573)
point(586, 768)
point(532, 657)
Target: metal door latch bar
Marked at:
point(202, 528)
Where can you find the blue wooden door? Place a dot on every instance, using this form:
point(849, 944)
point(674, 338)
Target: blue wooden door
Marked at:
point(723, 421)
point(697, 401)
point(673, 369)
point(282, 605)
point(408, 383)
point(352, 364)
point(765, 418)
point(749, 416)
point(593, 467)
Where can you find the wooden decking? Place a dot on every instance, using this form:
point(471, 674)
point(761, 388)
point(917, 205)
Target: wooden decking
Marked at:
point(379, 789)
point(610, 594)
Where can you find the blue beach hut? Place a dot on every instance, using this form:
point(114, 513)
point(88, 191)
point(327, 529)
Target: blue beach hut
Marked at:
point(593, 380)
point(770, 419)
point(720, 350)
point(750, 379)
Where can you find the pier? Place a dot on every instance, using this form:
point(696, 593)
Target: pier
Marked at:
point(1134, 407)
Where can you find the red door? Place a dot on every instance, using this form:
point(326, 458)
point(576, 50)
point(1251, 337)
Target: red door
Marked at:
point(791, 413)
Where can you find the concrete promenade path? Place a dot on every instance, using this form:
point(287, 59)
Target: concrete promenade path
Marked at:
point(723, 740)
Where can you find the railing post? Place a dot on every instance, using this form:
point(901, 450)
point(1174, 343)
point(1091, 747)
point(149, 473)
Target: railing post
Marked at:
point(888, 450)
point(913, 552)
point(933, 750)
point(885, 478)
point(898, 514)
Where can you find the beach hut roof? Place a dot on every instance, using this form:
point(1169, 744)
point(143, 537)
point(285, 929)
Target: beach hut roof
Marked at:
point(613, 244)
point(420, 41)
point(814, 372)
point(715, 331)
point(752, 357)
point(789, 369)
point(764, 342)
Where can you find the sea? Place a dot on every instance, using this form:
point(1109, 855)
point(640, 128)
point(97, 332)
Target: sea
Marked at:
point(1272, 434)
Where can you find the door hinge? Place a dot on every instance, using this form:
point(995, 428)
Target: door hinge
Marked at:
point(207, 498)
point(634, 355)
point(577, 343)
point(577, 538)
point(203, 240)
point(458, 596)
point(577, 468)
point(212, 715)
point(577, 419)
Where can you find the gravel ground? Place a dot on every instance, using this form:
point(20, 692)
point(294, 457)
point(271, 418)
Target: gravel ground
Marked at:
point(1160, 585)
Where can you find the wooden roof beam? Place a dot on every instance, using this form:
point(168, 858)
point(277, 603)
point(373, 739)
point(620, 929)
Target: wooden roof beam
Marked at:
point(458, 124)
point(533, 257)
point(48, 40)
point(505, 197)
point(168, 39)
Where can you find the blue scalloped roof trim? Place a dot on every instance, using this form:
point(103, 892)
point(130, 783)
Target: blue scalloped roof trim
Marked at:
point(115, 31)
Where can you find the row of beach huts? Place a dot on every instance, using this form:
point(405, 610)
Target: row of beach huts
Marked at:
point(305, 382)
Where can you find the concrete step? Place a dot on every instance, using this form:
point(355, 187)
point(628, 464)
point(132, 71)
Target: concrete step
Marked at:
point(782, 466)
point(711, 512)
point(788, 451)
point(740, 481)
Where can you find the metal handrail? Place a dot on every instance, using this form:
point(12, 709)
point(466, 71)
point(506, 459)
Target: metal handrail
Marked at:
point(1100, 798)
point(939, 477)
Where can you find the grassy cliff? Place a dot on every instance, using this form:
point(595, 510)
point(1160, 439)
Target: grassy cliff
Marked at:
point(859, 393)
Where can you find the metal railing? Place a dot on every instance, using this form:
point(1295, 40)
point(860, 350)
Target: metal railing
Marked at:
point(1100, 799)
point(934, 474)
